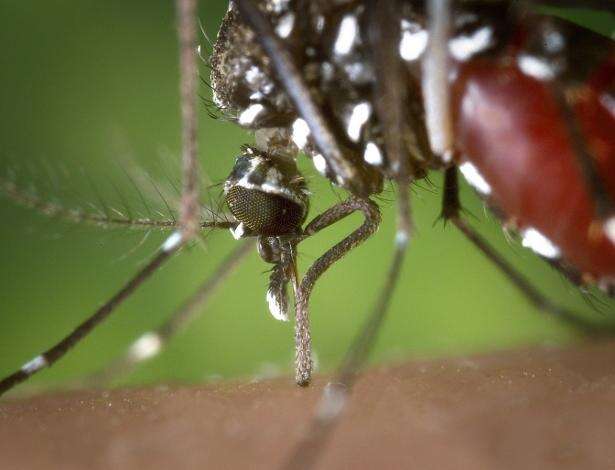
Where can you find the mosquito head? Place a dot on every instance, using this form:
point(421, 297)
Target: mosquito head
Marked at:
point(266, 194)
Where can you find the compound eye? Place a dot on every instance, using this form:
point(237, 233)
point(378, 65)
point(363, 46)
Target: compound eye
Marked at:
point(264, 213)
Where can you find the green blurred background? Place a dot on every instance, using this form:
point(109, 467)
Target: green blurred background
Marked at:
point(88, 88)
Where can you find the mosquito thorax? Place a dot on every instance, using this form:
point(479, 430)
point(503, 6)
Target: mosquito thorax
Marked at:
point(266, 194)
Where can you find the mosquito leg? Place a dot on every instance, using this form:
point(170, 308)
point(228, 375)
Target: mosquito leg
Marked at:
point(52, 355)
point(435, 79)
point(334, 214)
point(151, 343)
point(451, 211)
point(189, 213)
point(53, 209)
point(334, 397)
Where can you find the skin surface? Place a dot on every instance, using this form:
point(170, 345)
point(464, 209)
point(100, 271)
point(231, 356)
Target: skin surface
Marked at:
point(541, 408)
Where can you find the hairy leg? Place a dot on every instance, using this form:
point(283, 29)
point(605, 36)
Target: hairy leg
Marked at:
point(187, 24)
point(371, 213)
point(190, 212)
point(332, 402)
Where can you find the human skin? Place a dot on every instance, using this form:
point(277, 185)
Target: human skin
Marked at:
point(537, 408)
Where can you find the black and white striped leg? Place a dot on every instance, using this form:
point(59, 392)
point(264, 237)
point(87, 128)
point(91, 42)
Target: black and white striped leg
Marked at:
point(334, 397)
point(303, 363)
point(52, 355)
point(151, 343)
point(189, 223)
point(451, 209)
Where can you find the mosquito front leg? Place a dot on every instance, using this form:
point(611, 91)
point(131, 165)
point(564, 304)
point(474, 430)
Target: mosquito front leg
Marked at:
point(189, 213)
point(451, 210)
point(371, 213)
point(151, 343)
point(52, 355)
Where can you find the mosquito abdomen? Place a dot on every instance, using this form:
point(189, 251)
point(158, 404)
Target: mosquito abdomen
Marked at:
point(511, 127)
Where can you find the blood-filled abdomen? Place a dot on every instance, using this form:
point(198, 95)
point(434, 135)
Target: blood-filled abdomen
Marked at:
point(510, 127)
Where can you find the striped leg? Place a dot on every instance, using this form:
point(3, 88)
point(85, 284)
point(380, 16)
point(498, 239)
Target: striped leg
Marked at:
point(189, 223)
point(333, 400)
point(392, 111)
point(52, 355)
point(151, 343)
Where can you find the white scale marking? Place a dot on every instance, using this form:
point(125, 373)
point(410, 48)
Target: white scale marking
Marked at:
point(347, 35)
point(463, 48)
point(401, 238)
point(172, 242)
point(286, 25)
point(540, 244)
point(253, 74)
point(275, 308)
point(238, 231)
point(608, 101)
point(301, 132)
point(320, 163)
point(358, 117)
point(413, 41)
point(476, 180)
point(147, 346)
point(609, 229)
point(36, 364)
point(248, 116)
point(372, 154)
point(535, 67)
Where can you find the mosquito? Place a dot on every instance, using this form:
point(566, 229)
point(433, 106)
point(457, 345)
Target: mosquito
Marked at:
point(387, 91)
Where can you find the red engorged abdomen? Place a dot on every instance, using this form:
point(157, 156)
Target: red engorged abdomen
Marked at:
point(509, 126)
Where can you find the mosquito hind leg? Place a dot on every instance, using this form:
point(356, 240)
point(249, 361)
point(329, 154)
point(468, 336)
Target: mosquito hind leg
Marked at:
point(152, 343)
point(451, 210)
point(371, 213)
